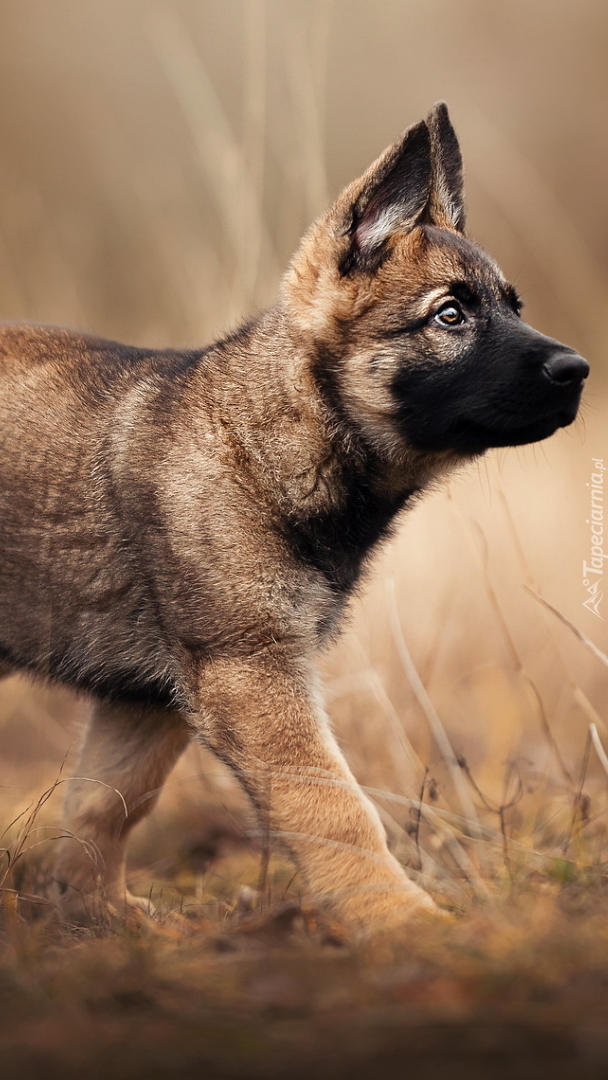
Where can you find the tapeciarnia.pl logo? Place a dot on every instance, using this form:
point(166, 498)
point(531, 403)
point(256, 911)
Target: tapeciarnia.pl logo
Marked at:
point(593, 571)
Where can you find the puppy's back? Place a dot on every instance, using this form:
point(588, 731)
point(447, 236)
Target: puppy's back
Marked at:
point(71, 593)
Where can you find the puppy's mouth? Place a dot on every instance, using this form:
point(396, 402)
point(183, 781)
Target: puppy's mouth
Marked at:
point(477, 437)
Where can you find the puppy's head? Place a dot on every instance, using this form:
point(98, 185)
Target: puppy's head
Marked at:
point(414, 334)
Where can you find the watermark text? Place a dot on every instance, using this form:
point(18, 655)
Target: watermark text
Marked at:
point(593, 570)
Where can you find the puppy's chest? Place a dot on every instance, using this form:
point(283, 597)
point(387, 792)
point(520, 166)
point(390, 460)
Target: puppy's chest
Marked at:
point(337, 541)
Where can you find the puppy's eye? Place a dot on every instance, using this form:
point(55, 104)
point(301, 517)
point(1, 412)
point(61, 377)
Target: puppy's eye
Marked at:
point(449, 315)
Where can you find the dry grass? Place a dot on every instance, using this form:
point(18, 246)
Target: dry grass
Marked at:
point(159, 163)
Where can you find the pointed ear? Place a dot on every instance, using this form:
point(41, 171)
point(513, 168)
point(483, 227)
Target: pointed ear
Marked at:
point(446, 205)
point(393, 195)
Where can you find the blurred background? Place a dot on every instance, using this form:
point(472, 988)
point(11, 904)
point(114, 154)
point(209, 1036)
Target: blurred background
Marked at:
point(158, 163)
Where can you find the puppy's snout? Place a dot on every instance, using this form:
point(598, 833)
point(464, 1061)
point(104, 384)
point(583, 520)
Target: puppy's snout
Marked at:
point(566, 369)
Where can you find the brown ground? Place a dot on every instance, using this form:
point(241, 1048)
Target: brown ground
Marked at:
point(515, 987)
point(238, 977)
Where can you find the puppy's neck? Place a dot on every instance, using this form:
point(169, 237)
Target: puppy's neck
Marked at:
point(302, 449)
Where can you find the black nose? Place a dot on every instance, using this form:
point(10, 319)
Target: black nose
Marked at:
point(567, 369)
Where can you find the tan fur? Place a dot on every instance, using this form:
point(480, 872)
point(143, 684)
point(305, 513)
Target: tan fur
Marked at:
point(254, 706)
point(170, 534)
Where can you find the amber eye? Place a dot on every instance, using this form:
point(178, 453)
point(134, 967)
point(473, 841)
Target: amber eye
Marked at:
point(449, 315)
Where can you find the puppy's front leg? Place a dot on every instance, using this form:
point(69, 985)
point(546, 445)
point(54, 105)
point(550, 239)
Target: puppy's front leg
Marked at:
point(261, 717)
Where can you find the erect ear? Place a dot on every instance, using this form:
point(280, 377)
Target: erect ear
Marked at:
point(393, 195)
point(446, 204)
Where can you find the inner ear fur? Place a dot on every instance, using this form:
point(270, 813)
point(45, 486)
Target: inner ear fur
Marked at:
point(394, 192)
point(418, 179)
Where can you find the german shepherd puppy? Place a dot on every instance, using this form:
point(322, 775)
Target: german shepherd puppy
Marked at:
point(181, 532)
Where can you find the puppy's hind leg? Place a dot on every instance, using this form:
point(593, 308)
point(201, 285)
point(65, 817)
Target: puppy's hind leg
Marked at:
point(126, 756)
